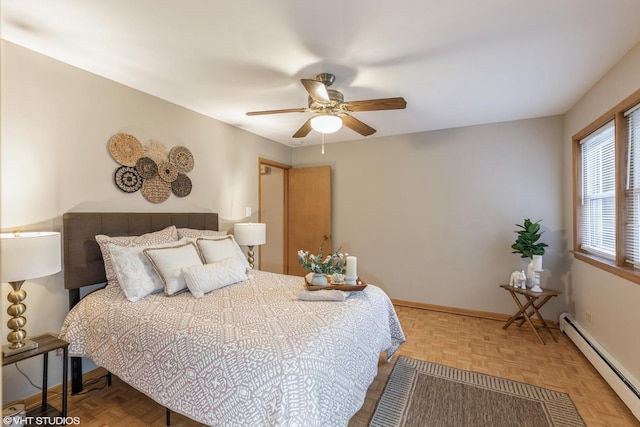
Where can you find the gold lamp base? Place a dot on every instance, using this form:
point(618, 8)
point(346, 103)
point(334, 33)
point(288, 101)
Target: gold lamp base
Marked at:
point(250, 256)
point(17, 337)
point(27, 345)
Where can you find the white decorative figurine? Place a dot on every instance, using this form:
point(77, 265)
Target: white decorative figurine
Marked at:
point(518, 279)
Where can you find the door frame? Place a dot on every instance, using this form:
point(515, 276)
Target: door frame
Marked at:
point(285, 238)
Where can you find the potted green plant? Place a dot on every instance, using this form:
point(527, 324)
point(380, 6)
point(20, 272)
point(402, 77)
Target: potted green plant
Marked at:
point(528, 242)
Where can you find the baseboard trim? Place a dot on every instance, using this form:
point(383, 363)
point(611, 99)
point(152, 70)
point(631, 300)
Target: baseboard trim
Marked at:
point(465, 312)
point(36, 400)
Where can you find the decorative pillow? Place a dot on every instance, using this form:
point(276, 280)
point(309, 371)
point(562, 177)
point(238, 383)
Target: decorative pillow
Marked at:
point(168, 262)
point(202, 279)
point(136, 274)
point(214, 249)
point(194, 234)
point(167, 235)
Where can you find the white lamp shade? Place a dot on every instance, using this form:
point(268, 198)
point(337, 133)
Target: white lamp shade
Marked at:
point(29, 255)
point(326, 123)
point(250, 234)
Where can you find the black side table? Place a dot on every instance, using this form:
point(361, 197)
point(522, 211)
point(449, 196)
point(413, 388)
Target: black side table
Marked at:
point(46, 343)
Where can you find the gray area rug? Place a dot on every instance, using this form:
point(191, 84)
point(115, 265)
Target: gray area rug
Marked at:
point(421, 393)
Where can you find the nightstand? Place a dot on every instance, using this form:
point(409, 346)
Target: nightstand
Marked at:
point(46, 343)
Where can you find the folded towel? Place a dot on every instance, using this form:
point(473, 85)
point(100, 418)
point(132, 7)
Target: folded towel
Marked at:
point(321, 295)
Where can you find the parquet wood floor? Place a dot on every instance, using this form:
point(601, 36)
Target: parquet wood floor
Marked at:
point(482, 345)
point(462, 342)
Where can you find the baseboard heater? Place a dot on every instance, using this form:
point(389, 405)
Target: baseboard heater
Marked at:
point(625, 386)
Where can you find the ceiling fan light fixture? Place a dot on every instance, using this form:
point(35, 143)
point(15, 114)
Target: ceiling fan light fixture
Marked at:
point(326, 123)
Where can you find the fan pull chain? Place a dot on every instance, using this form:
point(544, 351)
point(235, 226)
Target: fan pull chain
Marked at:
point(322, 143)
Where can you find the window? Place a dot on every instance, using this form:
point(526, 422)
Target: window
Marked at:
point(632, 189)
point(598, 204)
point(607, 191)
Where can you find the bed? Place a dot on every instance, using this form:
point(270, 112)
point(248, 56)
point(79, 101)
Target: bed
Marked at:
point(250, 353)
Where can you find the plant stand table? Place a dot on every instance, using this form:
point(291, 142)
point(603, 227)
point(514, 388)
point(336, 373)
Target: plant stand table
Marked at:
point(529, 308)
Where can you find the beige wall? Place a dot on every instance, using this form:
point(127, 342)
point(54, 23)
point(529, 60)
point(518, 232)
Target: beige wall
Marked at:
point(56, 122)
point(431, 216)
point(614, 303)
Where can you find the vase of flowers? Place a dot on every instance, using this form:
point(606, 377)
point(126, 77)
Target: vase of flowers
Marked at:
point(321, 266)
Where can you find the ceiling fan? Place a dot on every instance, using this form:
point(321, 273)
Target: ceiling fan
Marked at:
point(329, 106)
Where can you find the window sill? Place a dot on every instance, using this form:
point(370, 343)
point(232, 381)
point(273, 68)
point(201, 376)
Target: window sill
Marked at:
point(628, 273)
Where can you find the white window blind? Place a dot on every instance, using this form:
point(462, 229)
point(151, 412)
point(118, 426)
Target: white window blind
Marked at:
point(598, 204)
point(632, 189)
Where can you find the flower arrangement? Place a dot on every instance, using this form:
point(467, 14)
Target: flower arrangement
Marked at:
point(335, 262)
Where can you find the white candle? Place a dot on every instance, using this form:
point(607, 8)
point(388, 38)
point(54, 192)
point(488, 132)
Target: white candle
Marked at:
point(352, 267)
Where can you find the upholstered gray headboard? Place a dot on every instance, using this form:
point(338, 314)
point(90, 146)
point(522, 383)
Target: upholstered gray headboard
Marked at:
point(83, 265)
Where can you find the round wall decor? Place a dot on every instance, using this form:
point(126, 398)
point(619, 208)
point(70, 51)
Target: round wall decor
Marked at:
point(158, 172)
point(182, 158)
point(125, 149)
point(127, 179)
point(167, 171)
point(146, 167)
point(156, 190)
point(181, 187)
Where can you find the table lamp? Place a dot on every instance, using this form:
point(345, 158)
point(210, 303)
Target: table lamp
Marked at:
point(250, 234)
point(24, 256)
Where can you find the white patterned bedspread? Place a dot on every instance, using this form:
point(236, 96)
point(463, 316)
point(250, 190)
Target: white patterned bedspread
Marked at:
point(249, 354)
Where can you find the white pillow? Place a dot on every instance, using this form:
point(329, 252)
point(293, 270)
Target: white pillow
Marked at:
point(195, 233)
point(214, 249)
point(168, 262)
point(135, 273)
point(202, 279)
point(166, 235)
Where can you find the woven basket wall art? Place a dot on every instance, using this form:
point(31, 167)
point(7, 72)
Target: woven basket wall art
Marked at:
point(125, 149)
point(146, 167)
point(167, 171)
point(152, 168)
point(181, 187)
point(182, 158)
point(156, 190)
point(127, 179)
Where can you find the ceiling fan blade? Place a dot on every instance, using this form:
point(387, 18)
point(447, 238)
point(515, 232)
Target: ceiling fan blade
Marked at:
point(317, 90)
point(376, 104)
point(289, 110)
point(356, 125)
point(304, 130)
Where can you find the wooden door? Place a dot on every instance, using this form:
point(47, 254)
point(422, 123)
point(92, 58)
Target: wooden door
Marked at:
point(309, 213)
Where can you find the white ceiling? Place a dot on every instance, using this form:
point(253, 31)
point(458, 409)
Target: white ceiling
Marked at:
point(456, 62)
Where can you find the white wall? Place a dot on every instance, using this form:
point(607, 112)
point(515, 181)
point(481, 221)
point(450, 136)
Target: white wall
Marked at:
point(614, 303)
point(431, 216)
point(56, 122)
